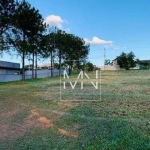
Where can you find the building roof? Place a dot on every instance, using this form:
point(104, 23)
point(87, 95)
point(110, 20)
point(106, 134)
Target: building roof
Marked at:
point(148, 60)
point(9, 65)
point(9, 68)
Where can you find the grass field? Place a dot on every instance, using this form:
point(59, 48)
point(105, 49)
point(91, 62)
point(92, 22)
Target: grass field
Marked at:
point(32, 117)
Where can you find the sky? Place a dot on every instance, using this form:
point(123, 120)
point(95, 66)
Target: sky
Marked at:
point(116, 25)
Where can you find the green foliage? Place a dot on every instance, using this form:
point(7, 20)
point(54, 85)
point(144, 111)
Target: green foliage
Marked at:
point(126, 60)
point(89, 66)
point(144, 64)
point(57, 66)
point(22, 28)
point(67, 47)
point(7, 10)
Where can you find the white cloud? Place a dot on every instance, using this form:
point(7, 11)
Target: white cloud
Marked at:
point(97, 41)
point(53, 20)
point(86, 40)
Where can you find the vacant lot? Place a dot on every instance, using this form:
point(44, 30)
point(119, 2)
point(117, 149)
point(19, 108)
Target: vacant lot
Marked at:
point(33, 117)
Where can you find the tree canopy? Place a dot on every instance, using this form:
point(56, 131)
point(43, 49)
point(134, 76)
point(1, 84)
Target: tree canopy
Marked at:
point(126, 61)
point(22, 29)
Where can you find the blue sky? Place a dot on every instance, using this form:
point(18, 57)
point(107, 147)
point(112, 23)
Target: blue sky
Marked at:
point(117, 25)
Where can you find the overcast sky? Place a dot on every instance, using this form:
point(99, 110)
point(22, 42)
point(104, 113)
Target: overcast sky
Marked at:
point(116, 25)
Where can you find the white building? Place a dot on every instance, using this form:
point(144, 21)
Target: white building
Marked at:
point(112, 66)
point(10, 68)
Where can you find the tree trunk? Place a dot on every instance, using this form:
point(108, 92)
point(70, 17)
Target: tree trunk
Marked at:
point(60, 63)
point(23, 57)
point(70, 69)
point(53, 67)
point(52, 64)
point(33, 65)
point(23, 72)
point(36, 66)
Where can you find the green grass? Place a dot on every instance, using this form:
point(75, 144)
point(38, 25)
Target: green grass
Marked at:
point(32, 116)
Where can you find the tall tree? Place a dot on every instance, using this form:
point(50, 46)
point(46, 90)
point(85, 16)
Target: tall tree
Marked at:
point(76, 51)
point(131, 60)
point(51, 46)
point(68, 48)
point(39, 49)
point(60, 45)
point(28, 23)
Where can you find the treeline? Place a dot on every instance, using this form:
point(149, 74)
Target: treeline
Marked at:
point(127, 61)
point(22, 29)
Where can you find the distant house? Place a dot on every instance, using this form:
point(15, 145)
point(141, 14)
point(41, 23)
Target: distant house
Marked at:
point(137, 66)
point(114, 63)
point(112, 66)
point(45, 66)
point(145, 61)
point(9, 68)
point(143, 64)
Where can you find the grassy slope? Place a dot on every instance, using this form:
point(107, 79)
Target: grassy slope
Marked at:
point(33, 117)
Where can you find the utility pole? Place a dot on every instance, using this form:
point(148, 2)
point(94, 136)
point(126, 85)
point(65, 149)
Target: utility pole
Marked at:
point(104, 57)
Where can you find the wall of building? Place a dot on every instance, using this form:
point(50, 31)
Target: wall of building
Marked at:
point(109, 68)
point(6, 77)
point(114, 62)
point(9, 72)
point(2, 71)
point(43, 73)
point(28, 75)
point(9, 64)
